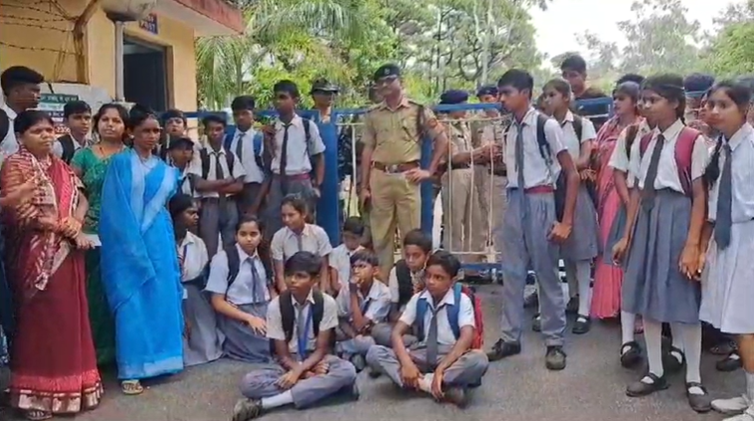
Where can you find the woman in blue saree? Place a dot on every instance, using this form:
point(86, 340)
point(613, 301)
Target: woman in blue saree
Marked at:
point(140, 270)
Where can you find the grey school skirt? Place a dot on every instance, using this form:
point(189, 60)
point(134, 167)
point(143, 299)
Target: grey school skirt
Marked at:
point(653, 285)
point(582, 243)
point(614, 235)
point(241, 343)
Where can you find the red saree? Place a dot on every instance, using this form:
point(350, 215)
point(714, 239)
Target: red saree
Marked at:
point(606, 295)
point(53, 360)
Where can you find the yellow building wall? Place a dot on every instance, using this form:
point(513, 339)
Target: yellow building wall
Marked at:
point(43, 40)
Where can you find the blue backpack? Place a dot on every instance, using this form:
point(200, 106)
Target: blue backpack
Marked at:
point(452, 311)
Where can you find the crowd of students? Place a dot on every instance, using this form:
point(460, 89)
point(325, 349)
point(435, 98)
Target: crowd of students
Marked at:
point(127, 222)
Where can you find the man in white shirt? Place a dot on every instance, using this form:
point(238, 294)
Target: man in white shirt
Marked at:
point(246, 143)
point(21, 89)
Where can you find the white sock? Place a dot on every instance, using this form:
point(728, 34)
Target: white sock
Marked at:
point(627, 326)
point(677, 342)
point(653, 342)
point(583, 281)
point(426, 383)
point(280, 399)
point(748, 376)
point(692, 337)
point(571, 278)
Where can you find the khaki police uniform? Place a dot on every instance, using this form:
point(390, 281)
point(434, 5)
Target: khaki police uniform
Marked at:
point(396, 141)
point(461, 211)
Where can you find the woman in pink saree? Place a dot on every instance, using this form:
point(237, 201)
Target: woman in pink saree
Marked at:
point(606, 298)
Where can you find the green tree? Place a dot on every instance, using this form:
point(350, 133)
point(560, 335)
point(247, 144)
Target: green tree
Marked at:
point(731, 52)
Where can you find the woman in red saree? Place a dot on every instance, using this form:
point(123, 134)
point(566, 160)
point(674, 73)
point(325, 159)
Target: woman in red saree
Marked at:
point(54, 369)
point(606, 298)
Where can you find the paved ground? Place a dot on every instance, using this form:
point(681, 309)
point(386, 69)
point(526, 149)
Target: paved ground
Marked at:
point(516, 389)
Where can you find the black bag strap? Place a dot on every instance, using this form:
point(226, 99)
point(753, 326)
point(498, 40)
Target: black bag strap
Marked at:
point(542, 141)
point(578, 126)
point(234, 263)
point(404, 278)
point(205, 158)
point(288, 315)
point(630, 136)
point(66, 142)
point(4, 124)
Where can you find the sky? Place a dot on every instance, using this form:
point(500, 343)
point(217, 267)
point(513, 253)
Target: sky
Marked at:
point(557, 25)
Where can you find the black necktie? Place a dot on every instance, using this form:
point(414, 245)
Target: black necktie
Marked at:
point(283, 160)
point(722, 229)
point(219, 173)
point(432, 337)
point(648, 190)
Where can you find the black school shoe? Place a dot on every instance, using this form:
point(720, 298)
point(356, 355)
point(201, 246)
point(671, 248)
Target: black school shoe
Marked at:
point(457, 396)
point(730, 363)
point(699, 403)
point(503, 349)
point(631, 354)
point(671, 364)
point(537, 323)
point(555, 358)
point(582, 325)
point(247, 409)
point(640, 388)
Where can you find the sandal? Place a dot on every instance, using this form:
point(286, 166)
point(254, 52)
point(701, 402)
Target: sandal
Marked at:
point(631, 354)
point(640, 388)
point(132, 387)
point(37, 415)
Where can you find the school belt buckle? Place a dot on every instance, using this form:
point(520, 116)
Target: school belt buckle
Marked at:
point(395, 168)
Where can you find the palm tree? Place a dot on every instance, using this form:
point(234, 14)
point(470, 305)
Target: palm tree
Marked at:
point(276, 31)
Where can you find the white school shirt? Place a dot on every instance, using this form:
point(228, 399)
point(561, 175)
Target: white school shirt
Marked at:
point(195, 167)
point(393, 282)
point(536, 171)
point(378, 302)
point(57, 147)
point(193, 254)
point(9, 144)
point(570, 136)
point(240, 291)
point(313, 239)
point(619, 159)
point(340, 260)
point(668, 176)
point(254, 173)
point(297, 161)
point(184, 184)
point(275, 321)
point(742, 174)
point(445, 334)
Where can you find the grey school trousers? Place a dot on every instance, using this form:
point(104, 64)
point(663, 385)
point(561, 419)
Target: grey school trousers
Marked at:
point(526, 225)
point(280, 187)
point(218, 217)
point(260, 383)
point(467, 370)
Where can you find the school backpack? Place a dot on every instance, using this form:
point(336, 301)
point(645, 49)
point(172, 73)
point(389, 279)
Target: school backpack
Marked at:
point(4, 124)
point(288, 314)
point(405, 285)
point(685, 143)
point(204, 156)
point(234, 263)
point(452, 312)
point(256, 147)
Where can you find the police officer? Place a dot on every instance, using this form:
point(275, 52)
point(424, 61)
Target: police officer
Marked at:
point(393, 134)
point(323, 94)
point(461, 213)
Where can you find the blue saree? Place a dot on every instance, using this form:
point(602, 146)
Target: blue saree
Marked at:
point(139, 266)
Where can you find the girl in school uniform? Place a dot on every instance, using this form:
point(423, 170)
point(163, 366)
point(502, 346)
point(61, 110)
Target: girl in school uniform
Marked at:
point(202, 340)
point(582, 245)
point(299, 235)
point(662, 239)
point(241, 286)
point(728, 288)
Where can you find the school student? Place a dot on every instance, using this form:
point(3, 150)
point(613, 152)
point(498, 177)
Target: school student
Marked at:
point(574, 70)
point(77, 116)
point(241, 286)
point(180, 154)
point(663, 234)
point(297, 235)
point(534, 151)
point(174, 126)
point(443, 364)
point(361, 305)
point(21, 91)
point(218, 177)
point(340, 258)
point(297, 163)
point(247, 144)
point(406, 278)
point(728, 290)
point(300, 323)
point(202, 341)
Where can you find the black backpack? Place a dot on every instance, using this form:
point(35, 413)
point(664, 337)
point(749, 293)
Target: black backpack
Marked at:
point(234, 263)
point(288, 314)
point(4, 124)
point(205, 158)
point(405, 285)
point(66, 141)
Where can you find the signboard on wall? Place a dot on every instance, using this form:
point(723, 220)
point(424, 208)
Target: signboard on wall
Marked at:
point(53, 104)
point(149, 23)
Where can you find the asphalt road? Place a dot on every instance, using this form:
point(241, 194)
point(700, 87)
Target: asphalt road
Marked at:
point(519, 388)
